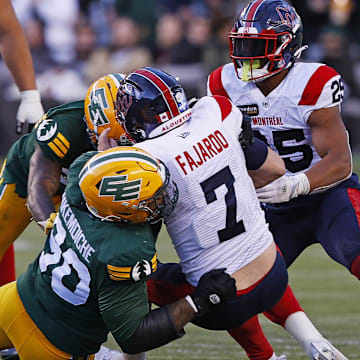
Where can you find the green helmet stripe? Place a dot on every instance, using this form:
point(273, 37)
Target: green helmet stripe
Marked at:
point(117, 156)
point(117, 76)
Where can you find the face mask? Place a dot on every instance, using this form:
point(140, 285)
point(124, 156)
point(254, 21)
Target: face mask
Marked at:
point(247, 67)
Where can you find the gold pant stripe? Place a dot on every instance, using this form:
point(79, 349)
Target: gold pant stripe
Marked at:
point(14, 217)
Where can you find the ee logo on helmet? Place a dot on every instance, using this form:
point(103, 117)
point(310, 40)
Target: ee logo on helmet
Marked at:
point(120, 188)
point(96, 107)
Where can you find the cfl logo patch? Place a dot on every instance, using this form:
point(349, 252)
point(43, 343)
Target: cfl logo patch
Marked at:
point(119, 188)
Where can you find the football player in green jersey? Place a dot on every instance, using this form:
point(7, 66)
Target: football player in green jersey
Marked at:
point(91, 276)
point(34, 171)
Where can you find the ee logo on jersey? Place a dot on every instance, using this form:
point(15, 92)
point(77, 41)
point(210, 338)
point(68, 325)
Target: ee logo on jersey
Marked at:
point(120, 188)
point(140, 270)
point(46, 130)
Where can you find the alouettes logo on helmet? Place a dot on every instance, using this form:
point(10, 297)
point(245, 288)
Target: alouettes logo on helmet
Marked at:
point(124, 100)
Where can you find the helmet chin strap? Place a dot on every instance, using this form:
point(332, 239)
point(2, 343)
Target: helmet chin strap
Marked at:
point(299, 51)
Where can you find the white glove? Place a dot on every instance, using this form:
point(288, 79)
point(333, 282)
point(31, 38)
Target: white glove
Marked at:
point(283, 189)
point(30, 109)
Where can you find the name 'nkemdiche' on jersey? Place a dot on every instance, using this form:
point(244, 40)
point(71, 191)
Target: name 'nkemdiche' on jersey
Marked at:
point(307, 87)
point(75, 231)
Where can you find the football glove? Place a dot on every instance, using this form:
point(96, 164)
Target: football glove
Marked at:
point(283, 189)
point(246, 136)
point(47, 224)
point(30, 110)
point(214, 288)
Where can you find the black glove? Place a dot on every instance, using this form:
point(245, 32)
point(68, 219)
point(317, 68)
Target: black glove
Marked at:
point(214, 287)
point(247, 136)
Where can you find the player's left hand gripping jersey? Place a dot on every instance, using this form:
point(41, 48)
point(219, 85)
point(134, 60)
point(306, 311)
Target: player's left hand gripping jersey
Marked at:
point(217, 221)
point(90, 277)
point(62, 137)
point(280, 118)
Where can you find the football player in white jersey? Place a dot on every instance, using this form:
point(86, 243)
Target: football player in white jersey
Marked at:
point(217, 219)
point(295, 108)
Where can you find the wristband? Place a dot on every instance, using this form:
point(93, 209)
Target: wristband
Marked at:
point(30, 96)
point(42, 223)
point(47, 224)
point(190, 300)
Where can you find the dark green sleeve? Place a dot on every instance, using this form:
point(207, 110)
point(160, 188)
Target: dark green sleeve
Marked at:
point(122, 307)
point(62, 135)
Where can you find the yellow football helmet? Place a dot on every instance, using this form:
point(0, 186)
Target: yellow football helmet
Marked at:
point(100, 111)
point(127, 184)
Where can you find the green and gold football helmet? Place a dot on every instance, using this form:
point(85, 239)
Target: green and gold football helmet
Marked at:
point(127, 184)
point(100, 111)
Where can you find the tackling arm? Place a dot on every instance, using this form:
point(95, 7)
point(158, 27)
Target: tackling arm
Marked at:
point(44, 180)
point(165, 324)
point(159, 327)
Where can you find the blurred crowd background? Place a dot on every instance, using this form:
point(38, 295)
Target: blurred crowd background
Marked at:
point(74, 42)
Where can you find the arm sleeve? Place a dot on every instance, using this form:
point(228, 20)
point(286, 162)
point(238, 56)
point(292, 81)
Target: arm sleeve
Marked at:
point(156, 329)
point(125, 311)
point(123, 306)
point(255, 154)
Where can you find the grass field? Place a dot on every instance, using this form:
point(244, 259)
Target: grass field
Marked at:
point(328, 293)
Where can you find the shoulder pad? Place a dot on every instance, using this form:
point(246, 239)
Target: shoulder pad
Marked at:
point(215, 85)
point(48, 133)
point(316, 85)
point(127, 251)
point(224, 104)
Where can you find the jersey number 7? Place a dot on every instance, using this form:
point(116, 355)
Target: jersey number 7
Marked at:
point(208, 186)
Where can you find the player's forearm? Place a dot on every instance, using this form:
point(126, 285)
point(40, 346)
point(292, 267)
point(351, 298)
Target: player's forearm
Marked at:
point(40, 205)
point(334, 167)
point(159, 327)
point(272, 168)
point(14, 48)
point(43, 183)
point(17, 57)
